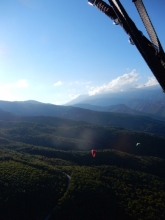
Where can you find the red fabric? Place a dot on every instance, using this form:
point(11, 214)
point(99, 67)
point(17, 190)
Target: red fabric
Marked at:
point(93, 153)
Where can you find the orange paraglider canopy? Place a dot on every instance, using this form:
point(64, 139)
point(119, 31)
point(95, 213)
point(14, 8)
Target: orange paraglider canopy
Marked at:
point(93, 152)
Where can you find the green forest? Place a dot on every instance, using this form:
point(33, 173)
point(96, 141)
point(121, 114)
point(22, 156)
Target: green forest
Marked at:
point(47, 172)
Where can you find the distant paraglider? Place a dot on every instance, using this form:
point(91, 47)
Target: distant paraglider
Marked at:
point(93, 152)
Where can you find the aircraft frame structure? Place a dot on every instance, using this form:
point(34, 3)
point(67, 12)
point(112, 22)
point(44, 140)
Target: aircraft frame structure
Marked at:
point(151, 50)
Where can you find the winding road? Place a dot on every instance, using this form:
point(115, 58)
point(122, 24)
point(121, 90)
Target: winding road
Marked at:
point(69, 178)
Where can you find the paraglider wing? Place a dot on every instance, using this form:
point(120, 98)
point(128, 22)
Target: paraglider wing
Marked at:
point(93, 152)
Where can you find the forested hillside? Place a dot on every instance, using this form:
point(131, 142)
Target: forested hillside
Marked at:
point(124, 180)
point(82, 137)
point(111, 186)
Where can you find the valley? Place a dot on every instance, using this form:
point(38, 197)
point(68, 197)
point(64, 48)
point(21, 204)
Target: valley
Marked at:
point(124, 180)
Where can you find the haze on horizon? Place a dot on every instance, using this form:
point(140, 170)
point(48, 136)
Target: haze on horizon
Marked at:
point(52, 53)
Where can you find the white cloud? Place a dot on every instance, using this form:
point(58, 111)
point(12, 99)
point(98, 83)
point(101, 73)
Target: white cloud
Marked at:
point(11, 91)
point(121, 83)
point(22, 83)
point(7, 95)
point(75, 83)
point(152, 81)
point(72, 90)
point(59, 83)
point(73, 96)
point(79, 83)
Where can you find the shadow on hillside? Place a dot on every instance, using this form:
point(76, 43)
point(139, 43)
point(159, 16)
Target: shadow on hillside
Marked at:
point(99, 203)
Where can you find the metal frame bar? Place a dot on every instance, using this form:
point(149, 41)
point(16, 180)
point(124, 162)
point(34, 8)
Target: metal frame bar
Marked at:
point(154, 59)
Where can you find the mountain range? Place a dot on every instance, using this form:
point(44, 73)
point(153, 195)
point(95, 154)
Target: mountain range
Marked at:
point(134, 110)
point(42, 144)
point(64, 116)
point(150, 100)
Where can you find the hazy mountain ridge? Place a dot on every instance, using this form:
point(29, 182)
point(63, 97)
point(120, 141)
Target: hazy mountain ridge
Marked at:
point(152, 93)
point(149, 100)
point(42, 113)
point(122, 108)
point(156, 108)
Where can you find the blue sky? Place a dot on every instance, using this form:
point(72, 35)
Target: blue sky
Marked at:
point(52, 51)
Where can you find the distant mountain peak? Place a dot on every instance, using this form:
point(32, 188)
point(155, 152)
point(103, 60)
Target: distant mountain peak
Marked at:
point(32, 102)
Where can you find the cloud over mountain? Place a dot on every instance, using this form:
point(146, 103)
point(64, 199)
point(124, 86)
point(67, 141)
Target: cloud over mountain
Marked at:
point(122, 83)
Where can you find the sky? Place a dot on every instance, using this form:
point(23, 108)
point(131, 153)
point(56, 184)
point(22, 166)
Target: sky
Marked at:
point(53, 51)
